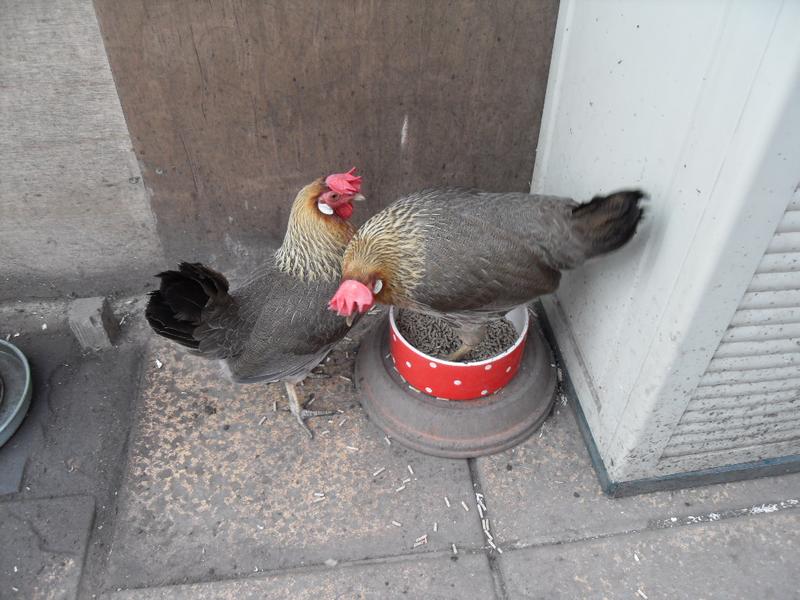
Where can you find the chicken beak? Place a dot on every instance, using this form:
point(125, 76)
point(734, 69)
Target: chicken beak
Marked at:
point(349, 319)
point(359, 198)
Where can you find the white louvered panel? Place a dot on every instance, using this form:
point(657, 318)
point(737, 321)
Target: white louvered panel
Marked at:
point(761, 333)
point(748, 362)
point(779, 263)
point(711, 405)
point(768, 282)
point(736, 427)
point(731, 446)
point(740, 412)
point(695, 461)
point(790, 222)
point(735, 438)
point(741, 349)
point(784, 242)
point(771, 299)
point(766, 316)
point(746, 389)
point(715, 378)
point(747, 404)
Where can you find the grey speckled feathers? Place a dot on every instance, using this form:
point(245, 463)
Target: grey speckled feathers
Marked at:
point(273, 328)
point(479, 252)
point(276, 326)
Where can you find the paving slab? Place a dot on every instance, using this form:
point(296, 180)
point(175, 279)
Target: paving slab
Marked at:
point(14, 454)
point(434, 578)
point(49, 543)
point(741, 558)
point(219, 485)
point(45, 351)
point(81, 408)
point(73, 440)
point(545, 490)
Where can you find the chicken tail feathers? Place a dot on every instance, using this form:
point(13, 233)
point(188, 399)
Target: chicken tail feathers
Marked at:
point(175, 310)
point(608, 222)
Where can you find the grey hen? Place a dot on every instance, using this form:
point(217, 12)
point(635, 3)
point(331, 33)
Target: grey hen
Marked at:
point(275, 326)
point(470, 256)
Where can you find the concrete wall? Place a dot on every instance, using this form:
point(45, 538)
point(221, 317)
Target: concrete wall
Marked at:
point(74, 214)
point(232, 106)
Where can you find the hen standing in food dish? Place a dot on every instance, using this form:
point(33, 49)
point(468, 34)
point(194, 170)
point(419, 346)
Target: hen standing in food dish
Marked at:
point(470, 256)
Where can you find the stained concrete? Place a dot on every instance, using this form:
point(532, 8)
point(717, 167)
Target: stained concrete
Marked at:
point(747, 558)
point(44, 541)
point(72, 442)
point(221, 494)
point(435, 578)
point(552, 472)
point(79, 415)
point(93, 323)
point(191, 508)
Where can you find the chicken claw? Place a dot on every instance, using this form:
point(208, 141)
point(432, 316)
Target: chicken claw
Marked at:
point(459, 353)
point(300, 413)
point(471, 336)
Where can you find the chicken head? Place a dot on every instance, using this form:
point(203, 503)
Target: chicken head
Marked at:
point(343, 189)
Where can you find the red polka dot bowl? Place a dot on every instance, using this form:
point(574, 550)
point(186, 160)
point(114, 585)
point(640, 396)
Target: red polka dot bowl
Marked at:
point(454, 380)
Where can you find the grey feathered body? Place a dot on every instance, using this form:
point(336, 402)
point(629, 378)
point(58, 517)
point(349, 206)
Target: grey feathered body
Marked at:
point(275, 328)
point(471, 256)
point(488, 253)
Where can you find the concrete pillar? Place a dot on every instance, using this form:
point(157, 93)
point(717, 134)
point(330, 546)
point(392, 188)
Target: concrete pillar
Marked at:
point(699, 104)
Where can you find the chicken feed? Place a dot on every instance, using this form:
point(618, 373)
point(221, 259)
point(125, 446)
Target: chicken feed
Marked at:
point(435, 337)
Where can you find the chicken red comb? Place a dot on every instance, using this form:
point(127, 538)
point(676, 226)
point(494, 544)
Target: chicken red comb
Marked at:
point(348, 183)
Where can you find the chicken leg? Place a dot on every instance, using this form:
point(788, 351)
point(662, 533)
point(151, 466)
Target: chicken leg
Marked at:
point(471, 336)
point(300, 413)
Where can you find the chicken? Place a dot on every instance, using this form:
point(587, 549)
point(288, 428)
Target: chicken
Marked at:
point(470, 256)
point(275, 327)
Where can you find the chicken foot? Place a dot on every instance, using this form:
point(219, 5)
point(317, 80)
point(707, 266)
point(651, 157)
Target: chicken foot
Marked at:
point(300, 413)
point(459, 352)
point(471, 336)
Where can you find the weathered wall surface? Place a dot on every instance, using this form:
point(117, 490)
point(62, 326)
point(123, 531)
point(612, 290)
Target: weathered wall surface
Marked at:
point(233, 105)
point(230, 107)
point(698, 103)
point(74, 216)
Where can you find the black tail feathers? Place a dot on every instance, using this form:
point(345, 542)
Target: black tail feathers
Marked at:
point(175, 309)
point(608, 222)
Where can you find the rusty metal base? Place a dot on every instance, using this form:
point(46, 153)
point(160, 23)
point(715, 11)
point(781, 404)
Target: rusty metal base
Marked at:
point(455, 429)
